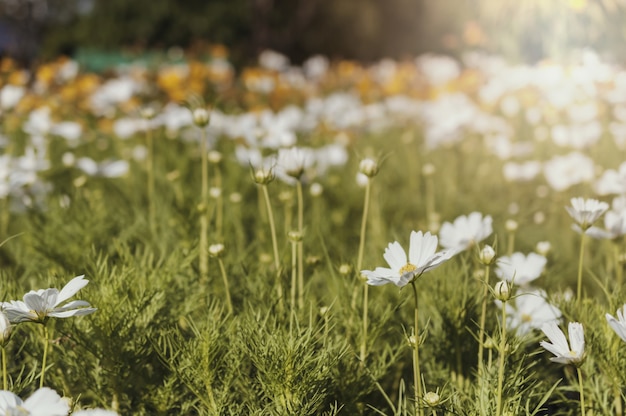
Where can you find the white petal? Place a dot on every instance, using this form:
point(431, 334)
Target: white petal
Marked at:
point(576, 338)
point(46, 402)
point(9, 400)
point(74, 312)
point(422, 248)
point(617, 326)
point(71, 288)
point(559, 344)
point(395, 256)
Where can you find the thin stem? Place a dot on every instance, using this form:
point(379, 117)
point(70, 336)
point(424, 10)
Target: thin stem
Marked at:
point(417, 377)
point(619, 272)
point(225, 278)
point(359, 264)
point(270, 216)
point(150, 173)
point(204, 219)
point(501, 360)
point(582, 391)
point(219, 210)
point(5, 384)
point(483, 313)
point(579, 285)
point(617, 402)
point(510, 243)
point(300, 245)
point(294, 247)
point(45, 356)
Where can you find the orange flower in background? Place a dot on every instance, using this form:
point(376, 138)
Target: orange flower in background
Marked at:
point(473, 34)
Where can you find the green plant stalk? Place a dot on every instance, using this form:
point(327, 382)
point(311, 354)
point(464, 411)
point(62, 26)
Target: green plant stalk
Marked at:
point(582, 391)
point(5, 384)
point(483, 314)
point(359, 265)
point(150, 174)
point(229, 302)
point(294, 260)
point(417, 377)
point(617, 402)
point(204, 219)
point(619, 272)
point(579, 285)
point(502, 355)
point(270, 216)
point(300, 246)
point(430, 199)
point(45, 355)
point(219, 214)
point(510, 245)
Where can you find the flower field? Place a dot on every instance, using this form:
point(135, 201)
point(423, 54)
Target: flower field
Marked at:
point(433, 236)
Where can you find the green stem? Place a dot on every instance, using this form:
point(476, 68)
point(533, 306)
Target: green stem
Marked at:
point(300, 246)
point(204, 219)
point(483, 314)
point(45, 356)
point(150, 173)
point(582, 392)
point(359, 264)
point(5, 384)
point(579, 285)
point(617, 402)
point(219, 214)
point(225, 278)
point(270, 216)
point(294, 257)
point(417, 377)
point(510, 243)
point(502, 351)
point(619, 272)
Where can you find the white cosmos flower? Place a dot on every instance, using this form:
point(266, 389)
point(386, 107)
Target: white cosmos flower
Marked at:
point(619, 324)
point(564, 353)
point(95, 412)
point(422, 257)
point(519, 268)
point(43, 402)
point(530, 311)
point(586, 211)
point(465, 231)
point(39, 305)
point(614, 226)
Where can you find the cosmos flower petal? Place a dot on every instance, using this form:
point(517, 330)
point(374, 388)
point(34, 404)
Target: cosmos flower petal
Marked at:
point(422, 247)
point(8, 401)
point(559, 344)
point(46, 402)
point(35, 302)
point(71, 288)
point(618, 325)
point(395, 256)
point(74, 312)
point(576, 337)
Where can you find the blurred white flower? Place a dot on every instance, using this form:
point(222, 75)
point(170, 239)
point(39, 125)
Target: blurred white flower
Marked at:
point(564, 353)
point(422, 257)
point(562, 172)
point(619, 324)
point(5, 329)
point(273, 60)
point(43, 402)
point(521, 172)
point(293, 161)
point(612, 181)
point(614, 226)
point(94, 412)
point(39, 305)
point(465, 231)
point(519, 268)
point(529, 310)
point(107, 168)
point(10, 96)
point(586, 211)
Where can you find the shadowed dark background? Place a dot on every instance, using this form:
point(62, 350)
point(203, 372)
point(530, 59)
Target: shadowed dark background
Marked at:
point(351, 29)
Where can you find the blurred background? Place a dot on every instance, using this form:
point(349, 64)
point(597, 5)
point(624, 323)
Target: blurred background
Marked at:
point(365, 30)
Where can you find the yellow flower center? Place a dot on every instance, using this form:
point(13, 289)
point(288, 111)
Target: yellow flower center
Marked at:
point(408, 268)
point(526, 318)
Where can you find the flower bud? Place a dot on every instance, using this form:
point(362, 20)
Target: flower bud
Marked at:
point(214, 157)
point(502, 290)
point(345, 269)
point(428, 169)
point(316, 189)
point(201, 117)
point(368, 167)
point(263, 176)
point(432, 399)
point(216, 250)
point(543, 248)
point(487, 255)
point(412, 341)
point(511, 225)
point(294, 236)
point(215, 192)
point(5, 329)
